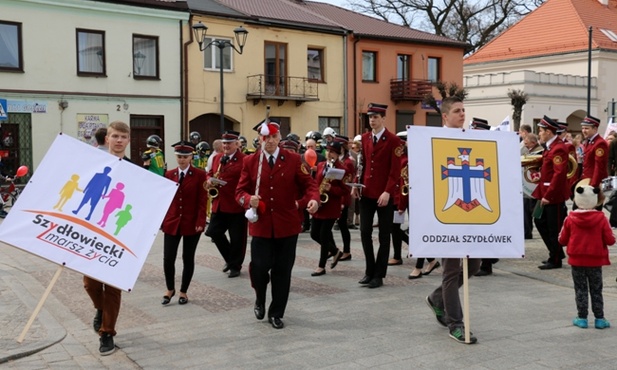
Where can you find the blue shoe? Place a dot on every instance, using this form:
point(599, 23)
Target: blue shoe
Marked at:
point(602, 324)
point(581, 323)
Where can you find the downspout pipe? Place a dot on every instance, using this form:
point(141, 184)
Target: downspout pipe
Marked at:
point(357, 128)
point(184, 128)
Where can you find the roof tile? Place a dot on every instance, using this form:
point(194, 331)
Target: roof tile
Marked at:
point(557, 26)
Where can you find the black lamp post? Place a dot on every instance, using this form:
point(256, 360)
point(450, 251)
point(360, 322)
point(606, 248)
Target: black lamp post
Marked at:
point(200, 30)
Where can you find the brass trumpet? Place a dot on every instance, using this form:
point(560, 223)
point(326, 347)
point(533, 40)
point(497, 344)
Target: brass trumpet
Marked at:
point(405, 177)
point(533, 162)
point(323, 195)
point(213, 191)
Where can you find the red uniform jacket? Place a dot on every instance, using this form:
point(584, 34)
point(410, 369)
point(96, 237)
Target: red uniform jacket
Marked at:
point(188, 208)
point(401, 202)
point(381, 164)
point(553, 184)
point(279, 189)
point(230, 172)
point(595, 161)
point(337, 193)
point(587, 235)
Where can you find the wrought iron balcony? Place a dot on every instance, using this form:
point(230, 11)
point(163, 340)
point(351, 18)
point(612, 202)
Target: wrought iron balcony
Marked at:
point(409, 90)
point(282, 89)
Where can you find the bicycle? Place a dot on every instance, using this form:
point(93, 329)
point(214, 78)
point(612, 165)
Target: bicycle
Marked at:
point(9, 194)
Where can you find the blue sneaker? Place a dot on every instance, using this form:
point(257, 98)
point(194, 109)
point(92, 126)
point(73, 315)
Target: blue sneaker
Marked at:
point(581, 323)
point(602, 324)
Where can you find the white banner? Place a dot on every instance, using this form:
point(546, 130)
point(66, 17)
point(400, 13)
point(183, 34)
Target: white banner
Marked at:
point(465, 195)
point(89, 211)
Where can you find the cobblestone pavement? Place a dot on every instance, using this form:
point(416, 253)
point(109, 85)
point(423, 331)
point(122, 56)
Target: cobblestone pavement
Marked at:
point(520, 314)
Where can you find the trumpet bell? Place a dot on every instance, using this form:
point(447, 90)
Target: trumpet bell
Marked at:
point(213, 193)
point(324, 198)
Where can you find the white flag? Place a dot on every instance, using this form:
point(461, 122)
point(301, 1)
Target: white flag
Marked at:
point(610, 127)
point(504, 125)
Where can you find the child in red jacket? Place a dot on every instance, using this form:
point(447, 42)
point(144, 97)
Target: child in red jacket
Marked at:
point(587, 235)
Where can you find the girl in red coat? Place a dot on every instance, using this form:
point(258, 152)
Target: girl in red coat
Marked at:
point(587, 235)
point(330, 211)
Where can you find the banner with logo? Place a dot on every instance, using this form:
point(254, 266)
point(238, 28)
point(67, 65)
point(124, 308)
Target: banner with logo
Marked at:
point(465, 196)
point(89, 211)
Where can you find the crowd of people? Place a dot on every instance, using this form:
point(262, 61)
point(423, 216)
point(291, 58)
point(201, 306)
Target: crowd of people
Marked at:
point(282, 187)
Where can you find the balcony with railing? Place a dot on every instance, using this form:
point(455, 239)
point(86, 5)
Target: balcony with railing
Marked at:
point(409, 90)
point(282, 89)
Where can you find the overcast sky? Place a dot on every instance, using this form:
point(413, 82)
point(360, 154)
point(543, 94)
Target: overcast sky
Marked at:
point(341, 3)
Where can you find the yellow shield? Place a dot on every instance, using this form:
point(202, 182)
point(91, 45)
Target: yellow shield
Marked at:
point(465, 181)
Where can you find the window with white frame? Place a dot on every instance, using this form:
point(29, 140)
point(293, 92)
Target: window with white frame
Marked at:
point(332, 122)
point(434, 65)
point(369, 66)
point(211, 55)
point(10, 47)
point(145, 56)
point(90, 53)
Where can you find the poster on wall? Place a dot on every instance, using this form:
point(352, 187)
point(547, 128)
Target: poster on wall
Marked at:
point(87, 124)
point(94, 215)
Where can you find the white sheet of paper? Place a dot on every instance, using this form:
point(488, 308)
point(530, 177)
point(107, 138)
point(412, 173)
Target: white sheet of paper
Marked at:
point(399, 218)
point(335, 174)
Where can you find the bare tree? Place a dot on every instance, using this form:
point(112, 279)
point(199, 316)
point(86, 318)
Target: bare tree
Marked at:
point(445, 89)
point(474, 22)
point(518, 98)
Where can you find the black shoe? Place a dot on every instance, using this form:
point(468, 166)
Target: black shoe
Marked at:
point(352, 227)
point(458, 334)
point(107, 344)
point(544, 262)
point(336, 227)
point(167, 299)
point(413, 277)
point(365, 280)
point(483, 273)
point(276, 322)
point(98, 319)
point(549, 266)
point(183, 300)
point(428, 272)
point(337, 257)
point(226, 268)
point(318, 273)
point(348, 258)
point(234, 273)
point(528, 237)
point(375, 283)
point(260, 311)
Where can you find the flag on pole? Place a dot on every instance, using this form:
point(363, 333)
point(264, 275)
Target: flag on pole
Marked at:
point(504, 125)
point(610, 127)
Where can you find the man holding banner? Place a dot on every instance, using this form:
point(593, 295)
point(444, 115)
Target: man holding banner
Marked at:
point(445, 301)
point(106, 299)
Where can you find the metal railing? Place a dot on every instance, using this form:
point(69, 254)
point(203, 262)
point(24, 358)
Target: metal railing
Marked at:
point(294, 88)
point(405, 89)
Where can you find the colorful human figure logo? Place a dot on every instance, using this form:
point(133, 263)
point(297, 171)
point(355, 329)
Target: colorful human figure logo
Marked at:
point(116, 199)
point(95, 190)
point(67, 191)
point(124, 217)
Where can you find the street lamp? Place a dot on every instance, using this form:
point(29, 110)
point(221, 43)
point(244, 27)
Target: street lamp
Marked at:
point(200, 30)
point(138, 61)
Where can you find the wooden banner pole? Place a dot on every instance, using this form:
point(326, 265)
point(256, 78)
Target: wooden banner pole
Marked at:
point(466, 300)
point(40, 305)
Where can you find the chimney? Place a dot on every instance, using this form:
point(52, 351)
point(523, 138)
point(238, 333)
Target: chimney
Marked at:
point(603, 2)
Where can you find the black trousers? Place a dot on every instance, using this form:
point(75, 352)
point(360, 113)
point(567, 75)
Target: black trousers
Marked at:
point(343, 226)
point(549, 226)
point(272, 260)
point(321, 232)
point(170, 251)
point(233, 250)
point(376, 266)
point(528, 206)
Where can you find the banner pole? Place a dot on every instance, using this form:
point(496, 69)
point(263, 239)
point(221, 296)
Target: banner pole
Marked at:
point(40, 305)
point(466, 299)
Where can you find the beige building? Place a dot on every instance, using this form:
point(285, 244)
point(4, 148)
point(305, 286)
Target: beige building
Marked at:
point(296, 68)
